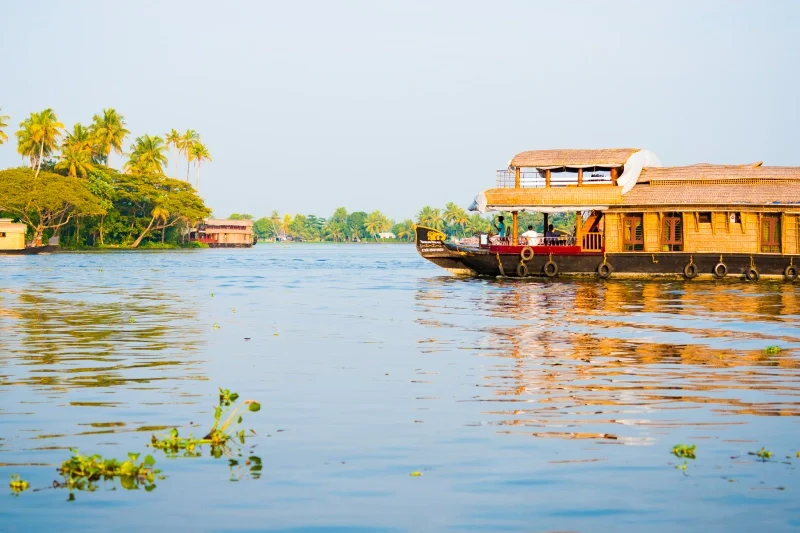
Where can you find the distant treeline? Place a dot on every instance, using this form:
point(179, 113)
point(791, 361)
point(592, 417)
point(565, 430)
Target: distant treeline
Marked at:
point(342, 226)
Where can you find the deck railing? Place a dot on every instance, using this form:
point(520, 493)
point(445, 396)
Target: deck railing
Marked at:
point(592, 242)
point(506, 179)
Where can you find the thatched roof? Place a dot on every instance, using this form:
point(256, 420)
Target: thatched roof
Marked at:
point(695, 174)
point(228, 222)
point(605, 157)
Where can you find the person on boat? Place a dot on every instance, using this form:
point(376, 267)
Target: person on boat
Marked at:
point(550, 236)
point(501, 226)
point(531, 236)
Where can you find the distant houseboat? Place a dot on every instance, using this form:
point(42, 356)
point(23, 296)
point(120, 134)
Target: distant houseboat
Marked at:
point(219, 233)
point(634, 217)
point(12, 240)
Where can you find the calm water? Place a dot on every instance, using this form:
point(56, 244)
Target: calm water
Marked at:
point(526, 406)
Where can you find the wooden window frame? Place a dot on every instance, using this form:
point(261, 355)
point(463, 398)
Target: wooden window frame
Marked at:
point(704, 214)
point(633, 244)
point(670, 242)
point(773, 245)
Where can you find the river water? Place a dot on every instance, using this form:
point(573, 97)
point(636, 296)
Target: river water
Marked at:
point(525, 406)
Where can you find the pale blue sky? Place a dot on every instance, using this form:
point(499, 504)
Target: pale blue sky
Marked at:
point(307, 106)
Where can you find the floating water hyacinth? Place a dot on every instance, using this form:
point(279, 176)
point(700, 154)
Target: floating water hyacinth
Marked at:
point(81, 472)
point(684, 451)
point(17, 484)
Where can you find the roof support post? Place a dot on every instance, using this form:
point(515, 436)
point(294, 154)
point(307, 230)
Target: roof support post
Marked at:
point(614, 176)
point(547, 178)
point(580, 177)
point(517, 178)
point(515, 226)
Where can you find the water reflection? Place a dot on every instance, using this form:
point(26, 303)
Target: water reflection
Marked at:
point(55, 339)
point(617, 361)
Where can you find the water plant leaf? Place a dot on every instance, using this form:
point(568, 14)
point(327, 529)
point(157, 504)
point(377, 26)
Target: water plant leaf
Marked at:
point(415, 474)
point(149, 460)
point(684, 451)
point(254, 407)
point(772, 350)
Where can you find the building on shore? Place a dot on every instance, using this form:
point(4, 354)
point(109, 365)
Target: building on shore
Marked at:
point(12, 235)
point(224, 233)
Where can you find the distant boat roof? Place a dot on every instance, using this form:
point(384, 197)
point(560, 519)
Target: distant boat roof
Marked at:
point(575, 158)
point(227, 222)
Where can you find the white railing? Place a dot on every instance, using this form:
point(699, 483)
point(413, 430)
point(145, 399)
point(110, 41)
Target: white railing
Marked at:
point(506, 179)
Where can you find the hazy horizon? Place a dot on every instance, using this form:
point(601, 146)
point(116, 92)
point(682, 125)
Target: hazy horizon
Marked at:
point(308, 106)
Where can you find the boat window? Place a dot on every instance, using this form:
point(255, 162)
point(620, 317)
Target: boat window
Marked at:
point(736, 218)
point(2, 234)
point(632, 233)
point(672, 233)
point(771, 234)
point(704, 218)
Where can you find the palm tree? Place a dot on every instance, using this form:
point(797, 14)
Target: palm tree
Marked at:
point(75, 161)
point(161, 214)
point(3, 124)
point(376, 223)
point(406, 229)
point(109, 133)
point(198, 153)
point(39, 136)
point(478, 224)
point(186, 142)
point(173, 139)
point(430, 217)
point(147, 156)
point(287, 222)
point(455, 216)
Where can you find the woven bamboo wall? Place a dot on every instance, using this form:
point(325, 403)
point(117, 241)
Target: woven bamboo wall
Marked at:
point(791, 234)
point(652, 235)
point(613, 230)
point(721, 235)
point(555, 196)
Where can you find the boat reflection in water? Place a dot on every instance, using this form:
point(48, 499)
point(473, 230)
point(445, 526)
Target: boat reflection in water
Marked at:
point(623, 361)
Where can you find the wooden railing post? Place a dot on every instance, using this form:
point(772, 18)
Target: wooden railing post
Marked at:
point(514, 228)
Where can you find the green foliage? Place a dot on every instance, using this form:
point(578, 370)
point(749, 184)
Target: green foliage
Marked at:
point(80, 472)
point(17, 484)
point(763, 454)
point(772, 350)
point(226, 418)
point(684, 451)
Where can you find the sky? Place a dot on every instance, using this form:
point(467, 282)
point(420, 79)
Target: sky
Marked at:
point(394, 105)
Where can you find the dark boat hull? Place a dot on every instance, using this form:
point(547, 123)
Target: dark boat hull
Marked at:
point(498, 262)
point(31, 250)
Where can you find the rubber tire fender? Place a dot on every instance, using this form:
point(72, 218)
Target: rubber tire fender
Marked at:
point(523, 253)
point(751, 274)
point(791, 272)
point(550, 269)
point(522, 269)
point(690, 271)
point(720, 270)
point(604, 270)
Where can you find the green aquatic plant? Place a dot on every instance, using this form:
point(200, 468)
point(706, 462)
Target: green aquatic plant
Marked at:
point(684, 451)
point(682, 467)
point(251, 466)
point(763, 454)
point(415, 474)
point(17, 484)
point(226, 417)
point(80, 471)
point(131, 320)
point(772, 350)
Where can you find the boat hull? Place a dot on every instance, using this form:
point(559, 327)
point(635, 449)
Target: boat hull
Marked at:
point(505, 260)
point(31, 250)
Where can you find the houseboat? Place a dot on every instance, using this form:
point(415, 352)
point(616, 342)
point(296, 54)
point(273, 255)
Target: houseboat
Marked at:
point(12, 240)
point(224, 233)
point(634, 218)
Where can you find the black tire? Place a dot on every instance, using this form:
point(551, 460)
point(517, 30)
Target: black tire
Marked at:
point(522, 269)
point(523, 253)
point(751, 274)
point(791, 272)
point(720, 270)
point(550, 269)
point(604, 270)
point(690, 271)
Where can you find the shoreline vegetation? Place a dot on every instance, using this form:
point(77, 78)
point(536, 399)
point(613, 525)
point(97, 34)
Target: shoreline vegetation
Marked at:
point(70, 190)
